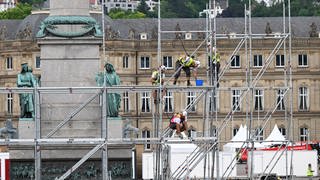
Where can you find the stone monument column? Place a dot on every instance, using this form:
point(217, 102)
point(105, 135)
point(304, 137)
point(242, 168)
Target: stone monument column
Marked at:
point(69, 58)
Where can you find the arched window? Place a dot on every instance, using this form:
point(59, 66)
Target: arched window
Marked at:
point(283, 130)
point(259, 134)
point(146, 134)
point(235, 130)
point(304, 133)
point(303, 99)
point(213, 131)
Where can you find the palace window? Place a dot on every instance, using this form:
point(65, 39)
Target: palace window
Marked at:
point(304, 134)
point(303, 98)
point(145, 102)
point(236, 99)
point(144, 62)
point(213, 131)
point(235, 62)
point(214, 102)
point(282, 129)
point(302, 60)
point(125, 99)
point(9, 103)
point(280, 60)
point(168, 102)
point(125, 61)
point(259, 134)
point(257, 60)
point(280, 100)
point(235, 130)
point(167, 61)
point(38, 62)
point(190, 100)
point(258, 100)
point(9, 63)
point(146, 134)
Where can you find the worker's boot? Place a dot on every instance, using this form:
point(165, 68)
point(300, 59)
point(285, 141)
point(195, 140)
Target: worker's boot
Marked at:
point(184, 135)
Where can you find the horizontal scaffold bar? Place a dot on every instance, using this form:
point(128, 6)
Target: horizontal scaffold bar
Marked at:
point(95, 141)
point(119, 89)
point(113, 89)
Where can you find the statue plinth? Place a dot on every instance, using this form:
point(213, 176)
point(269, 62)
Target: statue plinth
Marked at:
point(26, 128)
point(115, 127)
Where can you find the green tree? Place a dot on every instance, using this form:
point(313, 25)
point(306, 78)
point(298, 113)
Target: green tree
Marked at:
point(260, 10)
point(117, 13)
point(21, 11)
point(143, 7)
point(34, 3)
point(235, 9)
point(298, 8)
point(182, 8)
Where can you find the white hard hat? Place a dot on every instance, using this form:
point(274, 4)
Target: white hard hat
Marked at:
point(162, 67)
point(184, 113)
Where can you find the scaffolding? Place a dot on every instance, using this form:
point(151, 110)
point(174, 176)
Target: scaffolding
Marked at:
point(207, 146)
point(247, 93)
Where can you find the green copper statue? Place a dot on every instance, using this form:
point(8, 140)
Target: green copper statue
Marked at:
point(26, 79)
point(113, 99)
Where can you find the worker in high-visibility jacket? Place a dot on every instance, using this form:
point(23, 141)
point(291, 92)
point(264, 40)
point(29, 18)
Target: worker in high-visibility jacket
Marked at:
point(309, 171)
point(214, 60)
point(185, 63)
point(156, 79)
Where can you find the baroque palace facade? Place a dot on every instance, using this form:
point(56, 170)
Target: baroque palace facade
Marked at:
point(131, 46)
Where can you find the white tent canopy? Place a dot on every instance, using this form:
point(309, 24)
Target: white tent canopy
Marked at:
point(238, 140)
point(275, 137)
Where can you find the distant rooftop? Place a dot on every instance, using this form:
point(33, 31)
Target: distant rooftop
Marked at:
point(132, 28)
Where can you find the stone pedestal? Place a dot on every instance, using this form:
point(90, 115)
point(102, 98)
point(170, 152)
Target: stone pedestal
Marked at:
point(115, 126)
point(70, 63)
point(26, 128)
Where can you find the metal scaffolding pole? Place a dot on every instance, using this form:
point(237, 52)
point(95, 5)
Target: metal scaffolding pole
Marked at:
point(251, 91)
point(290, 124)
point(158, 106)
point(104, 134)
point(37, 148)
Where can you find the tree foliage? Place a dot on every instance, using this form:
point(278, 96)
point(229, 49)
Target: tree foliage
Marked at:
point(34, 3)
point(182, 8)
point(145, 9)
point(236, 8)
point(298, 8)
point(21, 11)
point(123, 14)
